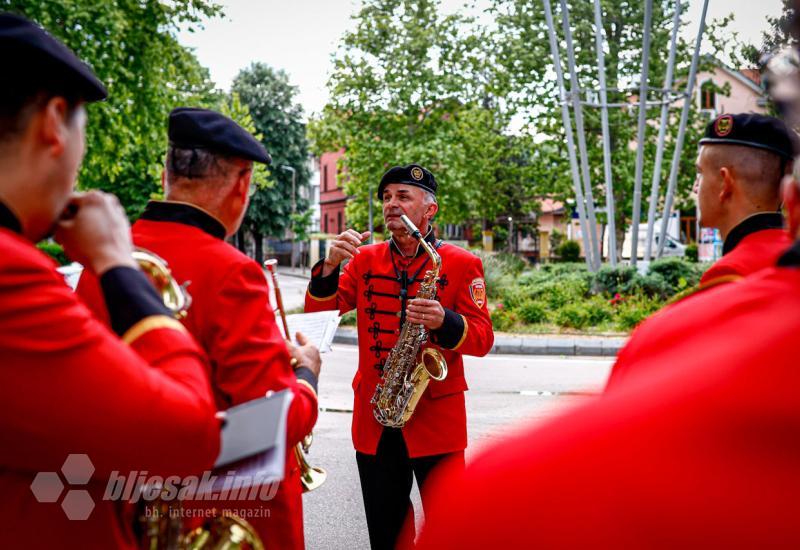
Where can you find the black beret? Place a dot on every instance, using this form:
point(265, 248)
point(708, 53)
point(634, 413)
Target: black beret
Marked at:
point(35, 55)
point(413, 174)
point(752, 130)
point(191, 128)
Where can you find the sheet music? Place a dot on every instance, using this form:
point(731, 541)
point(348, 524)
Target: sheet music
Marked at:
point(319, 327)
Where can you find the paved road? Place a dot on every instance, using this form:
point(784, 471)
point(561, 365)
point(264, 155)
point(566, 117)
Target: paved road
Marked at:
point(504, 391)
point(293, 290)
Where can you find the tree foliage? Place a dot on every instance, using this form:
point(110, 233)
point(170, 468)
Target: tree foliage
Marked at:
point(278, 119)
point(131, 46)
point(410, 84)
point(526, 60)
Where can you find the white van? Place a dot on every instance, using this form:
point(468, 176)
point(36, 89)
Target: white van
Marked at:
point(672, 247)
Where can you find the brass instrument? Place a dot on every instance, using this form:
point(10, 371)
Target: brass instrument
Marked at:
point(163, 530)
point(409, 367)
point(311, 477)
point(163, 527)
point(174, 295)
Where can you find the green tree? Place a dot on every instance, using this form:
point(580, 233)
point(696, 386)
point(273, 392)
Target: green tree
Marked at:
point(260, 179)
point(132, 47)
point(526, 69)
point(413, 85)
point(278, 119)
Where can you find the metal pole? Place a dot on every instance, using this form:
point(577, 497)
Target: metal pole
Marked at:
point(662, 132)
point(676, 157)
point(371, 225)
point(565, 118)
point(578, 110)
point(294, 206)
point(601, 72)
point(641, 134)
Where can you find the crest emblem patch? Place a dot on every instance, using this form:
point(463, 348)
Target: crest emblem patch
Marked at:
point(477, 290)
point(417, 173)
point(723, 126)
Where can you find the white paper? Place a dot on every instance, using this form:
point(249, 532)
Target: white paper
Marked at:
point(319, 328)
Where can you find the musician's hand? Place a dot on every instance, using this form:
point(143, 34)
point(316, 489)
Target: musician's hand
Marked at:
point(305, 355)
point(428, 313)
point(94, 231)
point(344, 247)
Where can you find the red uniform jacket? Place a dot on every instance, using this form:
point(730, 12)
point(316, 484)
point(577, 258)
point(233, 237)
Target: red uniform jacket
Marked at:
point(700, 451)
point(373, 283)
point(69, 386)
point(232, 319)
point(754, 244)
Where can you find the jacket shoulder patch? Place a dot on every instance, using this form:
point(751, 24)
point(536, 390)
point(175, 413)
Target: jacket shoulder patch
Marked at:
point(477, 290)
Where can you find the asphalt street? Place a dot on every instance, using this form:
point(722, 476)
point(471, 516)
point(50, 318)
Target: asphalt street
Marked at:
point(505, 392)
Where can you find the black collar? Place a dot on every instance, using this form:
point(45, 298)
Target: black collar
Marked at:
point(752, 224)
point(791, 258)
point(185, 213)
point(9, 220)
point(430, 238)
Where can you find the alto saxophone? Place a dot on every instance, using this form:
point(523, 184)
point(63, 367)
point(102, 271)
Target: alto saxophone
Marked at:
point(409, 367)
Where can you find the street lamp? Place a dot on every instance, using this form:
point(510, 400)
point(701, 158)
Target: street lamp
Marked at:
point(294, 204)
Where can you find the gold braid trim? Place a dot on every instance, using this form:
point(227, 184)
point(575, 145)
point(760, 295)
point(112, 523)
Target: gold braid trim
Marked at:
point(153, 322)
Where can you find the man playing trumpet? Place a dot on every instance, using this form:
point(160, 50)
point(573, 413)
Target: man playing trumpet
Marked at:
point(206, 183)
point(381, 281)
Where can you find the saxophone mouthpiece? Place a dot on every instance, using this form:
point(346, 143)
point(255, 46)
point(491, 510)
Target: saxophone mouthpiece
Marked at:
point(412, 229)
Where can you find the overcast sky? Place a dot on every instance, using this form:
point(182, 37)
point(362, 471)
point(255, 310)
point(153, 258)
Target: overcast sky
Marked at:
point(300, 36)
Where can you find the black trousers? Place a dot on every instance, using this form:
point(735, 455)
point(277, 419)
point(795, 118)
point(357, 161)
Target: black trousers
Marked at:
point(386, 481)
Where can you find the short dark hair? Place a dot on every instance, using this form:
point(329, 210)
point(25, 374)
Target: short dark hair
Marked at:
point(196, 163)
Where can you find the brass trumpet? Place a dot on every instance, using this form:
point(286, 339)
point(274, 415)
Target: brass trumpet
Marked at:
point(173, 295)
point(310, 476)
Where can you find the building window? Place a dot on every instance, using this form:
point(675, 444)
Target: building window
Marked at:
point(708, 96)
point(326, 224)
point(325, 177)
point(339, 221)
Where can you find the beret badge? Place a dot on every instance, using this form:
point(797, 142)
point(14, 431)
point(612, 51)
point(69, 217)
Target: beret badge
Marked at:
point(723, 126)
point(416, 173)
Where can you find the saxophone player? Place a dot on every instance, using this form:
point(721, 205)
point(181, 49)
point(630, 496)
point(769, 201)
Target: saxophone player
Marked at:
point(381, 281)
point(206, 184)
point(71, 386)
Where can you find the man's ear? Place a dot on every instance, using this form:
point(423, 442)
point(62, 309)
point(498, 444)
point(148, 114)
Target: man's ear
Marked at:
point(243, 184)
point(728, 183)
point(433, 208)
point(791, 202)
point(52, 122)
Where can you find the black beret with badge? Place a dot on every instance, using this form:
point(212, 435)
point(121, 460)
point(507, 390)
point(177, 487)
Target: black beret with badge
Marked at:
point(752, 130)
point(413, 174)
point(30, 57)
point(192, 128)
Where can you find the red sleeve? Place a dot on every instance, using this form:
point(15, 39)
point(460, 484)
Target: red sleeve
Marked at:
point(71, 386)
point(248, 352)
point(336, 291)
point(467, 326)
point(90, 293)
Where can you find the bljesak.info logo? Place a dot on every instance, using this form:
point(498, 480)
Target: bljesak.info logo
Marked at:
point(78, 504)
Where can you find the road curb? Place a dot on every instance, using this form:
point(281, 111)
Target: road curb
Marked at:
point(528, 345)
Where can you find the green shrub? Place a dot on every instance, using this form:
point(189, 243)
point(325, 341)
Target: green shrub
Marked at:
point(652, 284)
point(349, 318)
point(613, 280)
point(503, 319)
point(55, 251)
point(569, 251)
point(691, 252)
point(573, 316)
point(635, 309)
point(500, 272)
point(677, 272)
point(532, 312)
